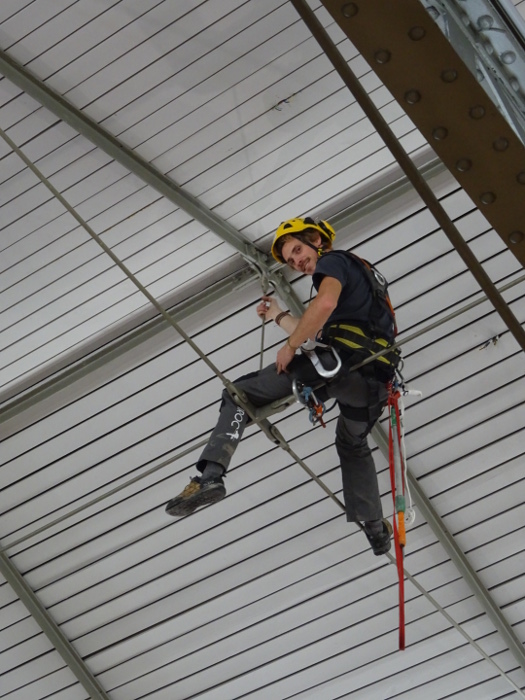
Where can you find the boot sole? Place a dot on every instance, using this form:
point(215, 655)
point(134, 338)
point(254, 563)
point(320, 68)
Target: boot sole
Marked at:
point(199, 500)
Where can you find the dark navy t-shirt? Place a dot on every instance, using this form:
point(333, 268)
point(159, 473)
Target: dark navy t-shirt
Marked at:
point(356, 297)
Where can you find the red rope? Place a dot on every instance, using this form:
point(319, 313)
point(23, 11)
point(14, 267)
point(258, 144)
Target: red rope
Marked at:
point(399, 531)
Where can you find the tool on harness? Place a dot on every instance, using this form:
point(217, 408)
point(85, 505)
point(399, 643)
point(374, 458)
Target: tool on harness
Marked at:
point(399, 485)
point(306, 395)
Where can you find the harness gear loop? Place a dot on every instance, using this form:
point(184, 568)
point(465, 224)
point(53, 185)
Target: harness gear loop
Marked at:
point(306, 396)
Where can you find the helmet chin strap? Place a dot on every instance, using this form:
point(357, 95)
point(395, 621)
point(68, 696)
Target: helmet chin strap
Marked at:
point(318, 249)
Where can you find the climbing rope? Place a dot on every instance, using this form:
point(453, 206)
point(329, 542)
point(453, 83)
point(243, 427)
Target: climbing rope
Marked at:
point(399, 485)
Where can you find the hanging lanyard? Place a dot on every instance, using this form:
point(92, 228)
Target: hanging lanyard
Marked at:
point(397, 481)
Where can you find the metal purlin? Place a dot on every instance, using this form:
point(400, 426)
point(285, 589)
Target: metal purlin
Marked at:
point(28, 597)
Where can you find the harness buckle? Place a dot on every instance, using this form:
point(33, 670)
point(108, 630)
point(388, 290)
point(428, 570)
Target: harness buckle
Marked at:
point(308, 349)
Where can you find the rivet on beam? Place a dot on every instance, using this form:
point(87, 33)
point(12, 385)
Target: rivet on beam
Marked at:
point(417, 33)
point(514, 83)
point(349, 9)
point(382, 56)
point(477, 112)
point(440, 133)
point(463, 164)
point(488, 198)
point(449, 75)
point(516, 237)
point(412, 96)
point(500, 144)
point(485, 22)
point(508, 57)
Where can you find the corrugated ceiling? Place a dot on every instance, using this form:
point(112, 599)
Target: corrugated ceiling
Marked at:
point(270, 593)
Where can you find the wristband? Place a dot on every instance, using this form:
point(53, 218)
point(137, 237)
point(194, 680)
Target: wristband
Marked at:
point(280, 317)
point(292, 346)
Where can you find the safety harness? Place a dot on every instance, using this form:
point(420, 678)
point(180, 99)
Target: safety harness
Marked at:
point(357, 343)
point(365, 339)
point(357, 339)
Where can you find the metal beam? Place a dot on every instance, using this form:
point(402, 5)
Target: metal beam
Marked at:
point(365, 31)
point(489, 38)
point(50, 628)
point(417, 64)
point(262, 262)
point(458, 557)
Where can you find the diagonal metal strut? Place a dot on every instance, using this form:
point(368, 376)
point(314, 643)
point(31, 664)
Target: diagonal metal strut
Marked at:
point(263, 263)
point(50, 628)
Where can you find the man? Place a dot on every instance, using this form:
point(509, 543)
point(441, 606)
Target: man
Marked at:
point(345, 313)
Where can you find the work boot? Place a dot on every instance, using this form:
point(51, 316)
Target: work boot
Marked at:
point(197, 493)
point(378, 533)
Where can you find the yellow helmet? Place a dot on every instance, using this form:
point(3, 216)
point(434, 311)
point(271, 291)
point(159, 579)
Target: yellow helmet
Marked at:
point(301, 226)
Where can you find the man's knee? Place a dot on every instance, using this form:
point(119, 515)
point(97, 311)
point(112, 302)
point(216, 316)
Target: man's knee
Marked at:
point(352, 442)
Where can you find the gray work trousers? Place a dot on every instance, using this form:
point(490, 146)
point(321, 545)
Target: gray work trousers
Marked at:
point(361, 400)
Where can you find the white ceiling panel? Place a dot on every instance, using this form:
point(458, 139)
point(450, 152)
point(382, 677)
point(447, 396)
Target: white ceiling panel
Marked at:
point(104, 408)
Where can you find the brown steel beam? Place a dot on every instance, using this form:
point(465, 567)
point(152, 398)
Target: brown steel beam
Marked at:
point(372, 10)
point(416, 62)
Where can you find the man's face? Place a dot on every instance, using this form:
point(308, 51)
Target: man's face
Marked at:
point(299, 256)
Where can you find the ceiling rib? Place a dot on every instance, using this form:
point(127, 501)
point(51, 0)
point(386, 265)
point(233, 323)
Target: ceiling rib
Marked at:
point(85, 126)
point(368, 38)
point(50, 628)
point(20, 397)
point(52, 631)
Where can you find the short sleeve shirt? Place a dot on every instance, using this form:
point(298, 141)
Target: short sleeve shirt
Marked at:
point(355, 300)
